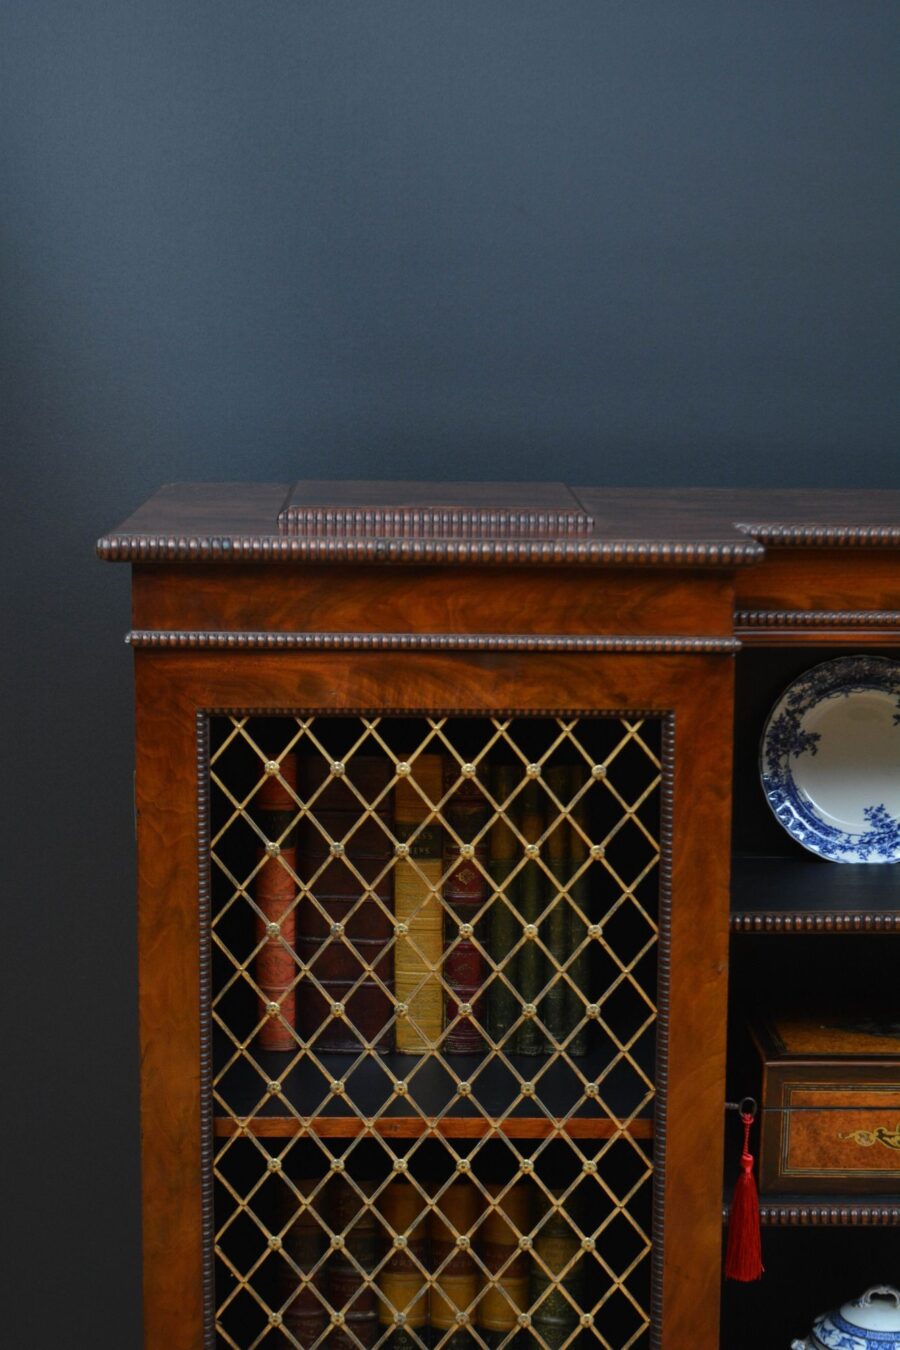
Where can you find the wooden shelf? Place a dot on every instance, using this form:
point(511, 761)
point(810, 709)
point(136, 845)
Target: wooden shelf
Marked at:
point(800, 895)
point(414, 1127)
point(827, 1211)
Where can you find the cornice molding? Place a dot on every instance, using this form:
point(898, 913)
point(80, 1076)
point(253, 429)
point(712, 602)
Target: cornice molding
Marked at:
point(467, 642)
point(822, 536)
point(535, 552)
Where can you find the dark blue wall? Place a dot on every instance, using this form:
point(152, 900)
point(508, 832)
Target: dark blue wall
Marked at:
point(633, 242)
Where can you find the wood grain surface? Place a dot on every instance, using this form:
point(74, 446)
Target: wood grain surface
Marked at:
point(173, 686)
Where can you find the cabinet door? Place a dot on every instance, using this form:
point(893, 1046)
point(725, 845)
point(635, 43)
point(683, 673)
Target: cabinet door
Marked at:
point(433, 961)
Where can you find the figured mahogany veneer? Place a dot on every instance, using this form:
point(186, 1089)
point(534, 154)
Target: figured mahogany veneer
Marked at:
point(481, 598)
point(331, 598)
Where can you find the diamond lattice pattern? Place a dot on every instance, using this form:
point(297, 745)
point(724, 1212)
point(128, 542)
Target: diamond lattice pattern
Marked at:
point(434, 1019)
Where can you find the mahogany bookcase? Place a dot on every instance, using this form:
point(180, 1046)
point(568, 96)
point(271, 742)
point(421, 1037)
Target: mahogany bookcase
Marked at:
point(594, 629)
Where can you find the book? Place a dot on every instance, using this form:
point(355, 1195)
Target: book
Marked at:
point(466, 812)
point(564, 928)
point(504, 851)
point(505, 1294)
point(417, 953)
point(578, 991)
point(456, 1275)
point(529, 964)
point(402, 1287)
point(303, 1244)
point(350, 1282)
point(274, 893)
point(557, 929)
point(554, 1313)
point(345, 920)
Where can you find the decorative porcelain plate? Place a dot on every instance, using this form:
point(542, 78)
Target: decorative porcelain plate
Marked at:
point(830, 759)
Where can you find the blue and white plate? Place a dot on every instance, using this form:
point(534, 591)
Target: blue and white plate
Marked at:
point(830, 759)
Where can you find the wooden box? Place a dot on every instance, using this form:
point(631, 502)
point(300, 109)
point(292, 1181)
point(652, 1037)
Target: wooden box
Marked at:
point(830, 1106)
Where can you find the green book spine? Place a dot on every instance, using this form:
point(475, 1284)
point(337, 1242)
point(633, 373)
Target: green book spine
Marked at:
point(579, 964)
point(530, 964)
point(555, 1314)
point(503, 852)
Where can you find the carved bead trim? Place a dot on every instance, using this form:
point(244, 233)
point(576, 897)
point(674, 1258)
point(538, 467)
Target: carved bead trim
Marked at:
point(822, 1214)
point(852, 921)
point(824, 536)
point(430, 522)
point(551, 552)
point(663, 997)
point(206, 1049)
point(477, 642)
point(817, 618)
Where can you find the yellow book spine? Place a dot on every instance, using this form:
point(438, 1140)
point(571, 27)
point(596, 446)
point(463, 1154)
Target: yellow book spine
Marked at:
point(506, 1293)
point(451, 1232)
point(419, 929)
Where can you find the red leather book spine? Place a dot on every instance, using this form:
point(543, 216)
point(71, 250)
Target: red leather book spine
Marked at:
point(274, 892)
point(345, 916)
point(466, 890)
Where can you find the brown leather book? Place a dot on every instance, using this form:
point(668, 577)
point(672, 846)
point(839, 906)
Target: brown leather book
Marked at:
point(578, 993)
point(274, 892)
point(343, 932)
point(505, 1295)
point(555, 1286)
point(417, 906)
point(529, 966)
point(349, 1291)
point(504, 852)
point(402, 1287)
point(456, 1274)
point(303, 1244)
point(556, 926)
point(466, 890)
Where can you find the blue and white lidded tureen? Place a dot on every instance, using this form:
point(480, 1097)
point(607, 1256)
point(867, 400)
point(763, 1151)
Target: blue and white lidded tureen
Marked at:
point(868, 1323)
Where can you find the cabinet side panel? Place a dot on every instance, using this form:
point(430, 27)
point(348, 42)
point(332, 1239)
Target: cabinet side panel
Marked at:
point(169, 942)
point(697, 1008)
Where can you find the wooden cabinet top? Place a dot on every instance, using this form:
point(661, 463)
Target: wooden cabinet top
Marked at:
point(551, 523)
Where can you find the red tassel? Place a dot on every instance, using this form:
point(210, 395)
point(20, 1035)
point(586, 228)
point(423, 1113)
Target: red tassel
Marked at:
point(743, 1255)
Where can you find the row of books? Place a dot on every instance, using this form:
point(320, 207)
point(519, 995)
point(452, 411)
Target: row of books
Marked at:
point(488, 1281)
point(361, 953)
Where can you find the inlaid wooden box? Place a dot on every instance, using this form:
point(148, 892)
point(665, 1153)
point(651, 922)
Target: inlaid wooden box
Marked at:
point(830, 1106)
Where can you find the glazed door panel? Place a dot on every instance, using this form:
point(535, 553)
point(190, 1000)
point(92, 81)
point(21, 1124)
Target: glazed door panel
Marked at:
point(280, 1114)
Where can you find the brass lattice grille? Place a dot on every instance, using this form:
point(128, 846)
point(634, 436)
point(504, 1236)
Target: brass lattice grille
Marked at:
point(434, 951)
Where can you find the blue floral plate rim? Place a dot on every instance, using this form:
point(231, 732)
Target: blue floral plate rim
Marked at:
point(784, 740)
